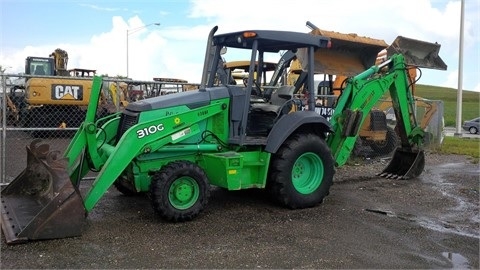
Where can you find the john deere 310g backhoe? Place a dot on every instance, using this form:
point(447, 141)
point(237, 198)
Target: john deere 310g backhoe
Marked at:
point(175, 146)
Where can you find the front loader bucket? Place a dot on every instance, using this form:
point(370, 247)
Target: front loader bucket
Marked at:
point(349, 54)
point(405, 164)
point(42, 202)
point(417, 53)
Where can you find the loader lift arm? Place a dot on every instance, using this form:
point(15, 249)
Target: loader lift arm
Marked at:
point(359, 97)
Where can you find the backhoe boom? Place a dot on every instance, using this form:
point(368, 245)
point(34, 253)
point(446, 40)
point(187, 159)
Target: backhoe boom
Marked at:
point(360, 96)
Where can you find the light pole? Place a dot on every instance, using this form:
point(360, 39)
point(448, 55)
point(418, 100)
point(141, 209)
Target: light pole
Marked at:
point(458, 130)
point(134, 30)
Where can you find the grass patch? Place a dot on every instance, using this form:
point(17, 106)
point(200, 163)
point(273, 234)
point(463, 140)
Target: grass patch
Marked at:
point(461, 146)
point(470, 102)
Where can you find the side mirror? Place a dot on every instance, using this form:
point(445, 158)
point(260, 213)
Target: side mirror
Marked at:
point(223, 51)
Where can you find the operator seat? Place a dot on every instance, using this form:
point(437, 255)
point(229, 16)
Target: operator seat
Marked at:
point(39, 70)
point(262, 116)
point(282, 95)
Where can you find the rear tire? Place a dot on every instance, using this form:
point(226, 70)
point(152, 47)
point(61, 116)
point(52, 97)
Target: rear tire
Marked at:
point(301, 172)
point(388, 146)
point(179, 191)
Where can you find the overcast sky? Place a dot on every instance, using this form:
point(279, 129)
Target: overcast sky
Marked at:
point(94, 33)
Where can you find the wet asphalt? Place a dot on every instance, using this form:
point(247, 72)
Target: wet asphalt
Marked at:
point(366, 222)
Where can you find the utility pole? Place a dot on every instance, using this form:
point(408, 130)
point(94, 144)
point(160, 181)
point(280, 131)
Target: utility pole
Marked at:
point(134, 30)
point(458, 131)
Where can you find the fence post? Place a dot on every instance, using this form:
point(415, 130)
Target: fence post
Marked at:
point(4, 129)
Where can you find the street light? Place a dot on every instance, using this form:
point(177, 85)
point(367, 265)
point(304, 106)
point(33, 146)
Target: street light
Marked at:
point(133, 31)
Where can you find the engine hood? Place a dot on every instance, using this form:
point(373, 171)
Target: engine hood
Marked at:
point(191, 99)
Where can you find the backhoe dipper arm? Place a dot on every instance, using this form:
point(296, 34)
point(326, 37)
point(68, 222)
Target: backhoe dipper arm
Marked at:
point(359, 97)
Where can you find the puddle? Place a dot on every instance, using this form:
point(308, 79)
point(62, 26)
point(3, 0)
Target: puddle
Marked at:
point(467, 169)
point(429, 223)
point(462, 217)
point(447, 227)
point(457, 260)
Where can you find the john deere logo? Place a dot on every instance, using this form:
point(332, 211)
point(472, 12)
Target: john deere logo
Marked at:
point(67, 92)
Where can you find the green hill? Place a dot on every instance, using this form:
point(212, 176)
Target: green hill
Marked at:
point(470, 101)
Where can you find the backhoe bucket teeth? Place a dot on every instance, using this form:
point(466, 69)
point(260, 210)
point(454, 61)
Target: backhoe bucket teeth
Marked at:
point(42, 202)
point(405, 164)
point(349, 54)
point(417, 53)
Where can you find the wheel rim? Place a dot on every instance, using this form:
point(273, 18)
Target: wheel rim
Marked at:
point(307, 173)
point(183, 193)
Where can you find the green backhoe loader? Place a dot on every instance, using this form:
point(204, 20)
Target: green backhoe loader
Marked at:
point(174, 147)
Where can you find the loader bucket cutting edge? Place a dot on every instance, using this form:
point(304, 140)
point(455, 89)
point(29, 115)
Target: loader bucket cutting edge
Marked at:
point(41, 203)
point(405, 164)
point(417, 53)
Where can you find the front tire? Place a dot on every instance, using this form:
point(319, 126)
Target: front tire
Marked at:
point(301, 172)
point(179, 191)
point(473, 130)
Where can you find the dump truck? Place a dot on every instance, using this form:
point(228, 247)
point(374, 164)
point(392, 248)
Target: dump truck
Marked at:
point(174, 147)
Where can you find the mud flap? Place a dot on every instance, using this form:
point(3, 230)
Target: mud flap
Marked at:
point(417, 53)
point(42, 202)
point(405, 164)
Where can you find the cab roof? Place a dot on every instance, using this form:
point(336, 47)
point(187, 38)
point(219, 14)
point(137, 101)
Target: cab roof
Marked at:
point(270, 40)
point(245, 65)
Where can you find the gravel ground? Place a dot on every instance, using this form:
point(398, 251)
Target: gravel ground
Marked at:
point(432, 221)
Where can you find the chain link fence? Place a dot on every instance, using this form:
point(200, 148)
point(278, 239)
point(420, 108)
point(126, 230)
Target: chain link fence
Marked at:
point(53, 111)
point(428, 116)
point(52, 108)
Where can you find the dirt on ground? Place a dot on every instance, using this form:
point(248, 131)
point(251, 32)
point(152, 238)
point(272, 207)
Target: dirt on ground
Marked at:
point(432, 221)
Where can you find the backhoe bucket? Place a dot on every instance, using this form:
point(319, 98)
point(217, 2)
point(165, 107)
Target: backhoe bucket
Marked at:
point(42, 202)
point(349, 54)
point(405, 164)
point(417, 53)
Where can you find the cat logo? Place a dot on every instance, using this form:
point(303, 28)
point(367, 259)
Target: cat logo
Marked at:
point(67, 92)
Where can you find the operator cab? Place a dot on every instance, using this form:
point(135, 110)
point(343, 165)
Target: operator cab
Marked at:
point(40, 66)
point(251, 121)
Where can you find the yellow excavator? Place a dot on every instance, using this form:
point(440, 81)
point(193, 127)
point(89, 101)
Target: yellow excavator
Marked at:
point(53, 97)
point(12, 110)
